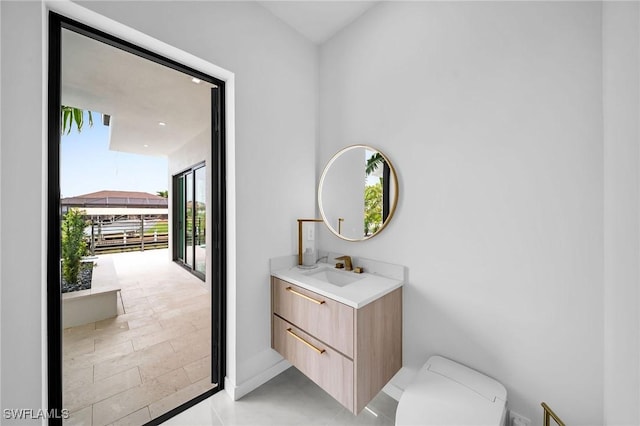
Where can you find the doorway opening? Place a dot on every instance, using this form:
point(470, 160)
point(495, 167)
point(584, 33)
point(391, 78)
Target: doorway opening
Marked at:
point(210, 256)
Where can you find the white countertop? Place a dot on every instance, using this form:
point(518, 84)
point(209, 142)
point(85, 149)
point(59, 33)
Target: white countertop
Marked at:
point(365, 290)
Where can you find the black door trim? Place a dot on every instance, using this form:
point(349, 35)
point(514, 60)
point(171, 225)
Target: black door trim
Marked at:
point(54, 290)
point(54, 300)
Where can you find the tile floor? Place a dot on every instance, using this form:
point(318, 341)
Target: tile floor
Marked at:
point(152, 357)
point(288, 399)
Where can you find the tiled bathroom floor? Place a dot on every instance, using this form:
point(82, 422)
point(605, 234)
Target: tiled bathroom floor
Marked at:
point(152, 357)
point(288, 399)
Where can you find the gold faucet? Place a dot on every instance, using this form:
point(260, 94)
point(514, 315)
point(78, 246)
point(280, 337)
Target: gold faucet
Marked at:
point(348, 266)
point(300, 222)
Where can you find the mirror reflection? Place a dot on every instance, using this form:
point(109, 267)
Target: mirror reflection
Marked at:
point(358, 192)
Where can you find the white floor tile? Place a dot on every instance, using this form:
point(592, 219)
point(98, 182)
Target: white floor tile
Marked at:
point(288, 399)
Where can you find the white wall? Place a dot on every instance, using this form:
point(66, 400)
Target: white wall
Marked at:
point(492, 115)
point(621, 74)
point(0, 201)
point(275, 137)
point(21, 180)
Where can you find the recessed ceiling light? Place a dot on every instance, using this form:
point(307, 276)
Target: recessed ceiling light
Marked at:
point(145, 145)
point(196, 80)
point(161, 123)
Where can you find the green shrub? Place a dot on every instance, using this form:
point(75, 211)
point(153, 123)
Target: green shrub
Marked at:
point(372, 208)
point(73, 245)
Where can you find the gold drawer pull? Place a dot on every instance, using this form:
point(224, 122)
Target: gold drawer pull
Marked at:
point(320, 351)
point(304, 296)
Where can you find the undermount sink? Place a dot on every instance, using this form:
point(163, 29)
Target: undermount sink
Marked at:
point(347, 287)
point(337, 278)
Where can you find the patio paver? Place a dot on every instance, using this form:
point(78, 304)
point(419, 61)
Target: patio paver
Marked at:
point(149, 359)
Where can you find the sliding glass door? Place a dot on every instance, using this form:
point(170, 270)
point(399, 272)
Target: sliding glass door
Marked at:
point(200, 219)
point(190, 205)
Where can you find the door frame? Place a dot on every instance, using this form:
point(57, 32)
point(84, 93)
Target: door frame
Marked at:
point(57, 23)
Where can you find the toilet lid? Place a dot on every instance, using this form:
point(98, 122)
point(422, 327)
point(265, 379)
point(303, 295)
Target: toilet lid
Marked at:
point(447, 393)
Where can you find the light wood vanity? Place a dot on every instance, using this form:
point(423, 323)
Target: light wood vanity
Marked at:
point(351, 352)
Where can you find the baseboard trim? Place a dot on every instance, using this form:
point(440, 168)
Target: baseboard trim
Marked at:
point(238, 391)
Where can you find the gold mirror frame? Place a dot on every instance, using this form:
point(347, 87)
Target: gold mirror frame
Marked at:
point(392, 202)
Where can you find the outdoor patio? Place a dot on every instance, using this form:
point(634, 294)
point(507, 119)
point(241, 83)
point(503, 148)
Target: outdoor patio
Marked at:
point(152, 357)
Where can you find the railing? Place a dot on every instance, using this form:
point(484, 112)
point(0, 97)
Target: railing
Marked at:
point(127, 234)
point(128, 242)
point(549, 414)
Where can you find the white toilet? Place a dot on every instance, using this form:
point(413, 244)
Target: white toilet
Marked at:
point(447, 393)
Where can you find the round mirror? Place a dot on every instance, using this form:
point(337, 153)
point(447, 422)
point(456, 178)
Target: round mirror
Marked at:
point(358, 193)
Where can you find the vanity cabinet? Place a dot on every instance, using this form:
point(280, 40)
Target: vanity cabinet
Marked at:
point(350, 352)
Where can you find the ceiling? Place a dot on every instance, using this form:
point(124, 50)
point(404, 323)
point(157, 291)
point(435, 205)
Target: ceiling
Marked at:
point(137, 93)
point(318, 20)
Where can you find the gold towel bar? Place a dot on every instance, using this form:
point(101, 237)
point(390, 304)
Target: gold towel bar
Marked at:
point(548, 412)
point(320, 351)
point(304, 296)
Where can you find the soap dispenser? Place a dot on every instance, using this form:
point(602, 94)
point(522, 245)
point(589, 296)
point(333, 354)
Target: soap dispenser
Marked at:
point(309, 257)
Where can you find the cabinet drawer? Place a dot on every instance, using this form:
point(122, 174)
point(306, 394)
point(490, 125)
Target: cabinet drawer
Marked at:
point(329, 369)
point(324, 318)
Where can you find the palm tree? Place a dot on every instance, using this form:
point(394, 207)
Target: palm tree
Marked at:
point(373, 162)
point(71, 115)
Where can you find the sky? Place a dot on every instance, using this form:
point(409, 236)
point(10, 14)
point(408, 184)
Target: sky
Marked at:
point(87, 165)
